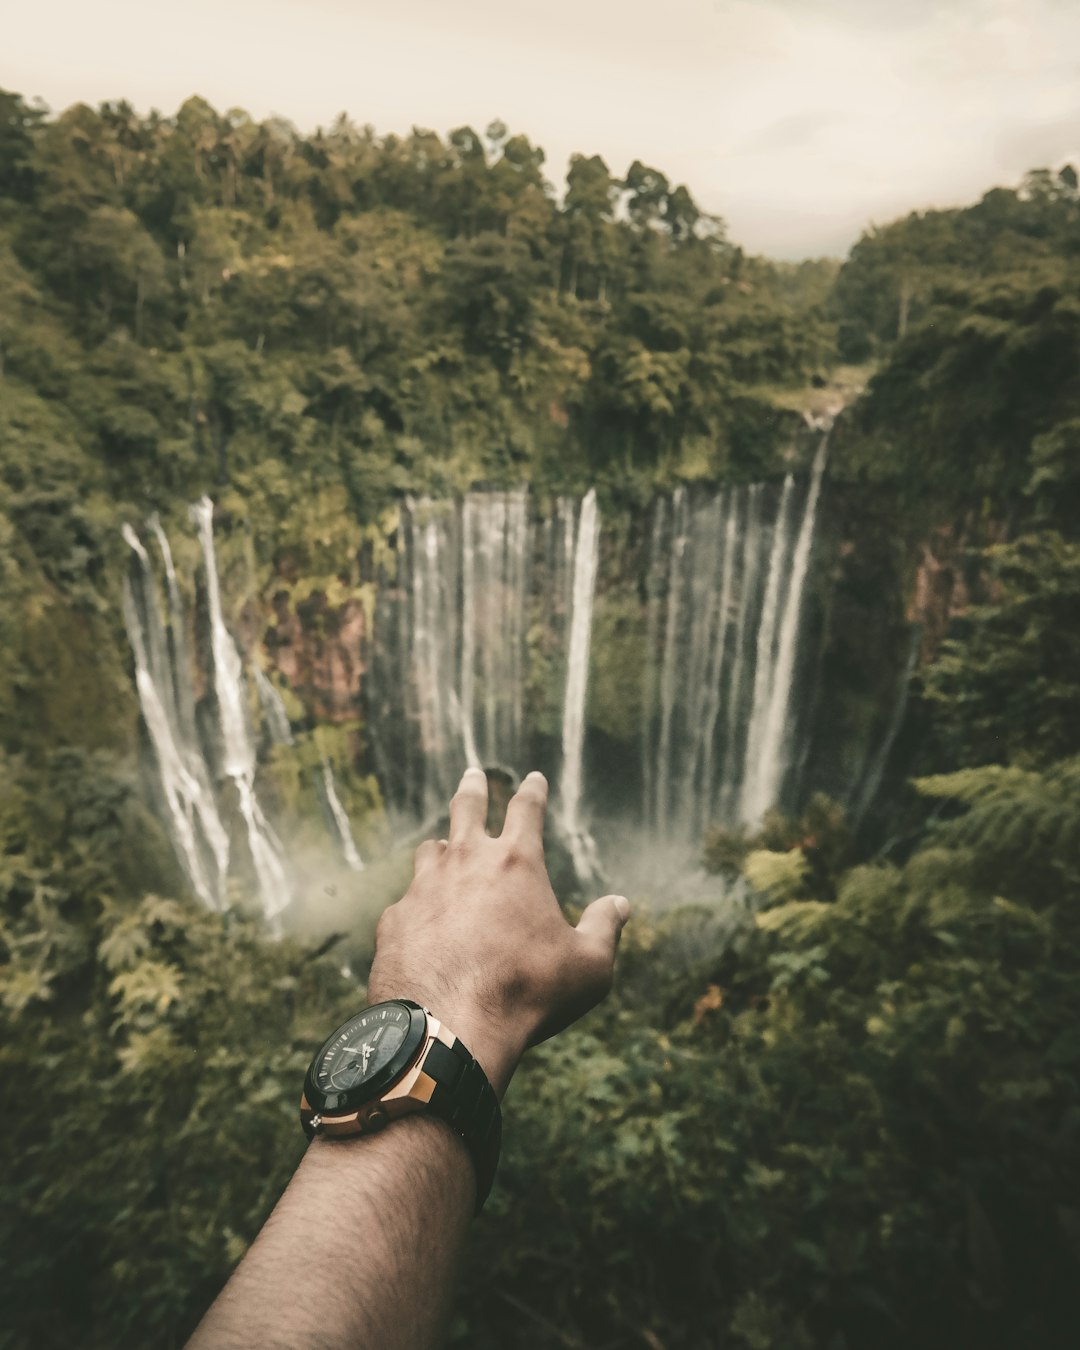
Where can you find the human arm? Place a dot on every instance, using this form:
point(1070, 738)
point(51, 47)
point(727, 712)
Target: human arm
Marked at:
point(361, 1249)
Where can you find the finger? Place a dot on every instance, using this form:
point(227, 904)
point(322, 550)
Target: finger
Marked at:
point(524, 823)
point(602, 923)
point(428, 852)
point(468, 809)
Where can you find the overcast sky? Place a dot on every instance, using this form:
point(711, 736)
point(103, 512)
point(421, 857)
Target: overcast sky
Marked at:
point(798, 121)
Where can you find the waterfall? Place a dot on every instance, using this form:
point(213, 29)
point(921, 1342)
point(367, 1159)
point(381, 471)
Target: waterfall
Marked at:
point(765, 667)
point(277, 719)
point(725, 589)
point(480, 654)
point(716, 664)
point(238, 748)
point(653, 595)
point(669, 673)
point(481, 650)
point(466, 709)
point(199, 837)
point(737, 712)
point(771, 750)
point(339, 819)
point(860, 801)
point(495, 548)
point(163, 676)
point(586, 556)
point(177, 637)
point(449, 669)
point(449, 680)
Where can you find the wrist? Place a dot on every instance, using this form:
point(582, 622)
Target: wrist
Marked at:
point(496, 1044)
point(497, 1048)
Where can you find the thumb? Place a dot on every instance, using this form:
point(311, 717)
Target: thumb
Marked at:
point(603, 920)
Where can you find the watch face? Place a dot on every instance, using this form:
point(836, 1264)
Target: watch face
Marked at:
point(366, 1054)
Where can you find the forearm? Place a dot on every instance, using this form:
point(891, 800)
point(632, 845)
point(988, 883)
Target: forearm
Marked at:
point(360, 1251)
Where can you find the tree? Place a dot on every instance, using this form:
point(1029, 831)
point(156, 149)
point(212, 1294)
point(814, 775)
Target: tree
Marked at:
point(18, 124)
point(588, 211)
point(648, 192)
point(1007, 689)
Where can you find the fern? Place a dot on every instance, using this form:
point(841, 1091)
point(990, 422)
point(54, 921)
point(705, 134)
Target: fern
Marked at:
point(1021, 830)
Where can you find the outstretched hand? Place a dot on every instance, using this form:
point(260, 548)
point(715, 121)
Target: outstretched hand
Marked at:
point(479, 937)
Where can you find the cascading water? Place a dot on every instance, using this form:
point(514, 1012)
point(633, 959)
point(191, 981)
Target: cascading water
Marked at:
point(200, 838)
point(769, 753)
point(480, 655)
point(495, 548)
point(339, 819)
point(177, 637)
point(163, 678)
point(862, 797)
point(586, 556)
point(237, 745)
point(277, 719)
point(163, 673)
point(726, 581)
point(449, 677)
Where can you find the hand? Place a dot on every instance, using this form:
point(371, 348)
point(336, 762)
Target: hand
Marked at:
point(479, 937)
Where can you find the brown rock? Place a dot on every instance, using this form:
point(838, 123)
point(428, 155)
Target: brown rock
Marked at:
point(317, 648)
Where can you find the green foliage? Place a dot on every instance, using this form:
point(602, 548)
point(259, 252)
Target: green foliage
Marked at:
point(858, 1127)
point(978, 313)
point(1007, 688)
point(204, 292)
point(616, 676)
point(890, 283)
point(806, 855)
point(131, 1025)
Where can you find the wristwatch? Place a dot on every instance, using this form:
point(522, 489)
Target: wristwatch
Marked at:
point(395, 1058)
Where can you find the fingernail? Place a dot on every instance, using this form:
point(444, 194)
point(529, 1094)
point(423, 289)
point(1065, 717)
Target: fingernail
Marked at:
point(537, 775)
point(622, 907)
point(474, 769)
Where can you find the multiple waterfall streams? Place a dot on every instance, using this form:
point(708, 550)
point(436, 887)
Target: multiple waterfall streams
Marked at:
point(489, 608)
point(450, 668)
point(726, 586)
point(200, 838)
point(277, 722)
point(480, 654)
point(206, 764)
point(238, 751)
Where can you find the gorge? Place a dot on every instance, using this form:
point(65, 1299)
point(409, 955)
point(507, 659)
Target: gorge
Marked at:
point(480, 654)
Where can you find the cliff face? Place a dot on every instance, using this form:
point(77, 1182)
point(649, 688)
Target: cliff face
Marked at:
point(316, 645)
point(880, 599)
point(950, 577)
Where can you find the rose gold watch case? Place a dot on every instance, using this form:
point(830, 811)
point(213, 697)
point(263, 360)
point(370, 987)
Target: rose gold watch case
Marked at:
point(411, 1092)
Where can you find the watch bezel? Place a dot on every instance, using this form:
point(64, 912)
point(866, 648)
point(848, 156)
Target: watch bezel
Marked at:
point(342, 1103)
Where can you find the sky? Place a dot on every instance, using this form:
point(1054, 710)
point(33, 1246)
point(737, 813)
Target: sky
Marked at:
point(800, 122)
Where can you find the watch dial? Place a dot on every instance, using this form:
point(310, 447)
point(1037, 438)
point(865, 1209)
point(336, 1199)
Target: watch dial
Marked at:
point(362, 1047)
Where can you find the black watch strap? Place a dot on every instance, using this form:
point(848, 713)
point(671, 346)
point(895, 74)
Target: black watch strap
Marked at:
point(465, 1099)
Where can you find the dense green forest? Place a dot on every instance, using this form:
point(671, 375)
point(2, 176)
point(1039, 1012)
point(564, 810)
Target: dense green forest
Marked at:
point(854, 1123)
